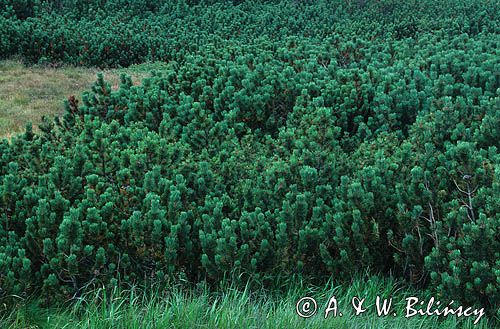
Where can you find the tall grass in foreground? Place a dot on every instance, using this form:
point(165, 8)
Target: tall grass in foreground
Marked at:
point(176, 307)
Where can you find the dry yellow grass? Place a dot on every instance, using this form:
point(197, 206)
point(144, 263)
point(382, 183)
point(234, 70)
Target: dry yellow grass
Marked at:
point(28, 93)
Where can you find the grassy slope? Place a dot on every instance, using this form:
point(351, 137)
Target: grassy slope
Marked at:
point(28, 93)
point(231, 308)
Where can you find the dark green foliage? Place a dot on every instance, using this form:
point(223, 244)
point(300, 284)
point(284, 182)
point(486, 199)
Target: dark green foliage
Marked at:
point(305, 150)
point(111, 33)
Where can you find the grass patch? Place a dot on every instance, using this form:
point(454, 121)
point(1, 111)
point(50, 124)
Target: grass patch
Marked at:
point(176, 307)
point(28, 93)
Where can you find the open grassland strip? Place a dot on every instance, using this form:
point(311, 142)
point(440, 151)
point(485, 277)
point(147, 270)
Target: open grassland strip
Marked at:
point(28, 93)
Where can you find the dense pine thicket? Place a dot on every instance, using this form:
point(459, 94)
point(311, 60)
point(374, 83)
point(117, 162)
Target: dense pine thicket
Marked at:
point(311, 137)
point(112, 33)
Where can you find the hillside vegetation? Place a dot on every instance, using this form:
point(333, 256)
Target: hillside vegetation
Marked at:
point(310, 137)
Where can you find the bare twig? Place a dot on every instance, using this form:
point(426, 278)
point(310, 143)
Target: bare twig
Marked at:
point(469, 193)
